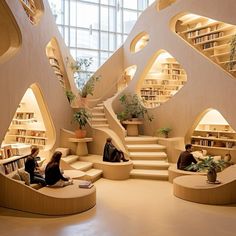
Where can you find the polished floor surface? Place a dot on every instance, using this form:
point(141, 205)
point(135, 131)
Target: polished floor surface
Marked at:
point(128, 208)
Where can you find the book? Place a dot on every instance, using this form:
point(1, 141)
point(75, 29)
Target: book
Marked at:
point(85, 184)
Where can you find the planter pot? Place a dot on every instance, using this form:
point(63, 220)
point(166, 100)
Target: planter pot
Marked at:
point(80, 133)
point(211, 175)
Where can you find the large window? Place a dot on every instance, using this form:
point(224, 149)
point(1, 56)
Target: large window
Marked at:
point(96, 28)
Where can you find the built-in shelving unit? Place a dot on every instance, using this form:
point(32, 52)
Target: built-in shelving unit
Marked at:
point(214, 134)
point(163, 81)
point(27, 126)
point(54, 60)
point(210, 37)
point(12, 163)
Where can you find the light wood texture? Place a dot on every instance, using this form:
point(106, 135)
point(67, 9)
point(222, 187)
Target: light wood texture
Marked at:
point(81, 149)
point(196, 188)
point(132, 127)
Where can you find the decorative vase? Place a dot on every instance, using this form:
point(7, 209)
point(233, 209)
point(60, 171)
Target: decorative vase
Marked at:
point(80, 133)
point(211, 175)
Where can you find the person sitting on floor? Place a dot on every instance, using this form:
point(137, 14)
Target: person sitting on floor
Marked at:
point(111, 153)
point(32, 167)
point(53, 175)
point(186, 158)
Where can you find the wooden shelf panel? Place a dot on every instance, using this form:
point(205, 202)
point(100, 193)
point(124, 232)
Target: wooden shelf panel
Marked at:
point(213, 147)
point(26, 136)
point(214, 138)
point(216, 131)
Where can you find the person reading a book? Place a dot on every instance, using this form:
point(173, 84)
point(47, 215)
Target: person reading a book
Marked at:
point(111, 153)
point(53, 175)
point(186, 158)
point(32, 167)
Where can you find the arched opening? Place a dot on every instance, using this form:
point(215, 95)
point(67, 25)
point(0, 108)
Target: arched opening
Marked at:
point(139, 42)
point(126, 77)
point(162, 4)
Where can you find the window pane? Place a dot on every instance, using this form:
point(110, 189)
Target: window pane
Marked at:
point(73, 53)
point(150, 2)
point(103, 57)
point(112, 42)
point(66, 38)
point(66, 12)
point(72, 13)
point(118, 40)
point(130, 18)
point(95, 1)
point(131, 4)
point(72, 37)
point(112, 19)
point(119, 22)
point(108, 2)
point(142, 4)
point(87, 14)
point(104, 18)
point(104, 41)
point(85, 39)
point(60, 28)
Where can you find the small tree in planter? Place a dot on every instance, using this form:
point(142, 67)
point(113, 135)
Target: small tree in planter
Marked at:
point(133, 108)
point(81, 117)
point(164, 131)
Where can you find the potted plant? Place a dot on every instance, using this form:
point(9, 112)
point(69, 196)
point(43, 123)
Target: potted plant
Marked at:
point(70, 96)
point(133, 108)
point(210, 165)
point(164, 131)
point(83, 77)
point(81, 117)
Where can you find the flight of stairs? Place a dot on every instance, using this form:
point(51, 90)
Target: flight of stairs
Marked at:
point(86, 167)
point(98, 117)
point(149, 158)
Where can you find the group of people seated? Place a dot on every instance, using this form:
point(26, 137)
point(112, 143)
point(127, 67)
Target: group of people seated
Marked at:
point(52, 176)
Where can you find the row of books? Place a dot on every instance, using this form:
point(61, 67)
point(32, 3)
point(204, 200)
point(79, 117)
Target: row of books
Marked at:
point(202, 31)
point(208, 37)
point(24, 115)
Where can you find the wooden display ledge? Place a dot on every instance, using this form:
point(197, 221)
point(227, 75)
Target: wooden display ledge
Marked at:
point(196, 189)
point(81, 149)
point(132, 126)
point(47, 201)
point(173, 172)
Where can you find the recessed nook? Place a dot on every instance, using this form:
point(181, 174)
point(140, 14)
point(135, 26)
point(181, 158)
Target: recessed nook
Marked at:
point(162, 4)
point(127, 77)
point(214, 134)
point(210, 37)
point(139, 42)
point(165, 78)
point(54, 56)
point(10, 36)
point(33, 10)
point(31, 124)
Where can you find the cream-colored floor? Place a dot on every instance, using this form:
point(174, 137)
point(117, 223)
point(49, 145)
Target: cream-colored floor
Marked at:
point(124, 208)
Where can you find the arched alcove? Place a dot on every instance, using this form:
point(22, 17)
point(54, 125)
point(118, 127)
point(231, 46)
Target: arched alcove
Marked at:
point(210, 37)
point(55, 59)
point(162, 81)
point(33, 9)
point(127, 77)
point(32, 124)
point(162, 4)
point(212, 133)
point(10, 36)
point(139, 42)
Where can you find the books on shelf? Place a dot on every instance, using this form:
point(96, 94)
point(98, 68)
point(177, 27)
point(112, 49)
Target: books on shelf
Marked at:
point(85, 184)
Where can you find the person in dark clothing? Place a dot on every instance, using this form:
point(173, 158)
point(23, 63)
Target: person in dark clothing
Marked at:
point(111, 153)
point(32, 167)
point(53, 174)
point(186, 158)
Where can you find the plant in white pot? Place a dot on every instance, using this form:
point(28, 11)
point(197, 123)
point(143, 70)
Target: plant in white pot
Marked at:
point(210, 165)
point(81, 117)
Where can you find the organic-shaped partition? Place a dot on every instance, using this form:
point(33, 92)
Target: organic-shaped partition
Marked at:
point(139, 42)
point(165, 78)
point(162, 4)
point(126, 77)
point(10, 36)
point(55, 60)
point(214, 134)
point(32, 124)
point(33, 9)
point(210, 37)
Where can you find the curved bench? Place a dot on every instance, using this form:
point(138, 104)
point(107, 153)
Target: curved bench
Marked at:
point(111, 170)
point(173, 172)
point(196, 188)
point(47, 201)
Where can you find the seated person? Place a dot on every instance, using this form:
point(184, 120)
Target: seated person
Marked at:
point(53, 174)
point(32, 167)
point(186, 158)
point(111, 153)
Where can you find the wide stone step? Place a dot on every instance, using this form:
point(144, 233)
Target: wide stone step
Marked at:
point(93, 174)
point(100, 125)
point(150, 165)
point(98, 115)
point(70, 159)
point(100, 105)
point(145, 147)
point(149, 174)
point(82, 165)
point(141, 140)
point(98, 109)
point(148, 155)
point(96, 121)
